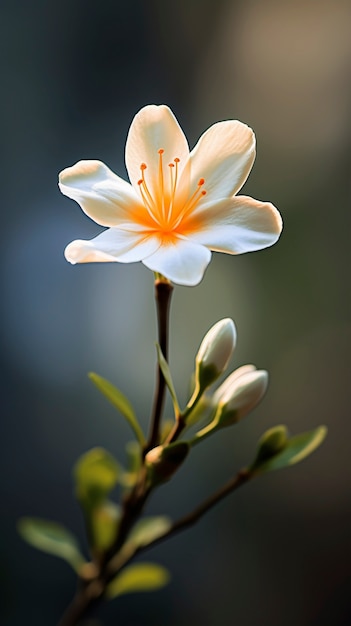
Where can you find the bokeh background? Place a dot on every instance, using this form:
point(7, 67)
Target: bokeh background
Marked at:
point(73, 74)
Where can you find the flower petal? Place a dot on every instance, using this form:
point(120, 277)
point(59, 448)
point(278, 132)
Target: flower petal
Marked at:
point(104, 197)
point(154, 128)
point(223, 156)
point(237, 225)
point(112, 245)
point(229, 382)
point(181, 261)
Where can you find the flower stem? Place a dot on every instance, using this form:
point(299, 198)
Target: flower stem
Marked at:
point(91, 592)
point(184, 522)
point(163, 293)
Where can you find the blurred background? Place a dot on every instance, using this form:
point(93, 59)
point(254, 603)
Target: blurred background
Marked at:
point(73, 75)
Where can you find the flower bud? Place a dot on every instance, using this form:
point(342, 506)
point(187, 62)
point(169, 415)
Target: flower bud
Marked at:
point(239, 394)
point(163, 461)
point(214, 353)
point(271, 443)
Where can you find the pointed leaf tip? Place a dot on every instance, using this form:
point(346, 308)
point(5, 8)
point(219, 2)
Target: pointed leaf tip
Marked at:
point(149, 529)
point(288, 452)
point(120, 402)
point(96, 474)
point(164, 367)
point(52, 538)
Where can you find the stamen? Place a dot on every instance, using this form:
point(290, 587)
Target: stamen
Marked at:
point(192, 202)
point(171, 166)
point(174, 181)
point(160, 199)
point(160, 180)
point(146, 195)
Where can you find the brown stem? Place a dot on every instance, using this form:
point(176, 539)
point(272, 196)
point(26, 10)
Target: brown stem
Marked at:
point(188, 520)
point(163, 293)
point(121, 560)
point(87, 598)
point(176, 430)
point(91, 593)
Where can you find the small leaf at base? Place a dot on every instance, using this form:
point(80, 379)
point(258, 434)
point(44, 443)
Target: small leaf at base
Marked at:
point(148, 529)
point(119, 400)
point(138, 577)
point(52, 538)
point(96, 474)
point(164, 367)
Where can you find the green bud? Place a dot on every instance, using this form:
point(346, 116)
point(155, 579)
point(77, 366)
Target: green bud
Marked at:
point(163, 461)
point(272, 441)
point(276, 451)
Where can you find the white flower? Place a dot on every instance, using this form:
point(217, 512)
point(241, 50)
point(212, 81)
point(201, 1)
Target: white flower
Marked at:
point(179, 206)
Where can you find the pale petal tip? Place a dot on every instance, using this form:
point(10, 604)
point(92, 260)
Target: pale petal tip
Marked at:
point(277, 221)
point(81, 168)
point(71, 253)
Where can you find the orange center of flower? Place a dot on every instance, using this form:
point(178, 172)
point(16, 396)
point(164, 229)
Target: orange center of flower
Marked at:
point(168, 209)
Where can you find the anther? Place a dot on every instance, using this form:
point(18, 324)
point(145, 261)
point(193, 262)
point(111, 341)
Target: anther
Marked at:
point(176, 160)
point(201, 182)
point(143, 166)
point(161, 151)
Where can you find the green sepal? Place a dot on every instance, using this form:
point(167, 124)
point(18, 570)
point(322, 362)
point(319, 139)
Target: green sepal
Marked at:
point(119, 400)
point(138, 577)
point(276, 450)
point(52, 538)
point(148, 529)
point(206, 375)
point(164, 367)
point(96, 474)
point(201, 411)
point(104, 525)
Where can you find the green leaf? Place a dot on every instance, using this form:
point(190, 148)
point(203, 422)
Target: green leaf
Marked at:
point(138, 577)
point(287, 453)
point(129, 476)
point(104, 524)
point(96, 474)
point(148, 529)
point(164, 367)
point(118, 399)
point(52, 538)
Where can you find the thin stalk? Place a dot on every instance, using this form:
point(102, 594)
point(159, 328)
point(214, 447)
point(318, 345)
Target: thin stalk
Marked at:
point(91, 593)
point(121, 560)
point(163, 293)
